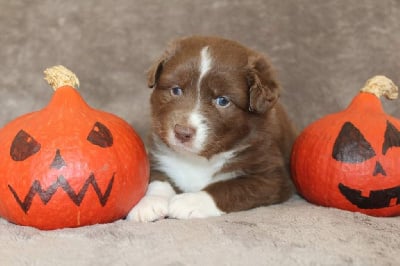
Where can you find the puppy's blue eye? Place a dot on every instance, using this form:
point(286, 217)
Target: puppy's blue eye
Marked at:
point(222, 101)
point(176, 91)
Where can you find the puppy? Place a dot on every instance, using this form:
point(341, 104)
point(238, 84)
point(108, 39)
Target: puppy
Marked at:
point(220, 139)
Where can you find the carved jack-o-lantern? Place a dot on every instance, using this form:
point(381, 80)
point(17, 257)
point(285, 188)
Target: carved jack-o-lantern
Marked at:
point(69, 165)
point(351, 159)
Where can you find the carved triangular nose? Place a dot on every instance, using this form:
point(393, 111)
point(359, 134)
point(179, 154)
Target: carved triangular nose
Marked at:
point(379, 169)
point(58, 161)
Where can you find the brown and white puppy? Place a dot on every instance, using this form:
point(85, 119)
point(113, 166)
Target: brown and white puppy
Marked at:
point(220, 139)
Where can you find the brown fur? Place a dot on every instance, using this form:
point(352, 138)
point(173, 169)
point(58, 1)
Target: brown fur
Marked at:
point(256, 121)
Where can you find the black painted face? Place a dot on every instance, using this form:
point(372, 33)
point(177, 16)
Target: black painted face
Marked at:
point(25, 146)
point(352, 147)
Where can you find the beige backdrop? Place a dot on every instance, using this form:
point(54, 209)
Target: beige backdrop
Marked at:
point(323, 50)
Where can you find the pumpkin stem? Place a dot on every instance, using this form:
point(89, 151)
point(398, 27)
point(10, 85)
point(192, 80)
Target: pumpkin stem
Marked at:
point(59, 76)
point(381, 86)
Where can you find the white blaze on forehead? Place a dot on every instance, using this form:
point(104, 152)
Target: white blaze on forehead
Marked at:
point(196, 118)
point(205, 63)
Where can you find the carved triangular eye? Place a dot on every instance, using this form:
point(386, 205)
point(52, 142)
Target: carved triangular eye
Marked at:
point(100, 135)
point(23, 146)
point(351, 146)
point(392, 138)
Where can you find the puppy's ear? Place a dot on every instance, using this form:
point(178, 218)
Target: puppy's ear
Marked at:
point(154, 72)
point(263, 88)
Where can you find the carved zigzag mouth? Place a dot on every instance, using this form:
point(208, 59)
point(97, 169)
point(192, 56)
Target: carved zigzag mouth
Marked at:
point(377, 198)
point(46, 194)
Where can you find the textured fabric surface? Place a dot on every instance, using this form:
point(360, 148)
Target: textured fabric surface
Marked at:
point(293, 233)
point(323, 52)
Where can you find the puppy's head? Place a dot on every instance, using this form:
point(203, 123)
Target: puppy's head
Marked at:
point(208, 94)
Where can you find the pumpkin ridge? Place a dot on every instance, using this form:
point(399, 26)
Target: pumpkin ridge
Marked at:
point(365, 102)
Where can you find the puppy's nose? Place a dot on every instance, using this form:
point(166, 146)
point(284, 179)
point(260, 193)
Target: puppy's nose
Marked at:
point(184, 133)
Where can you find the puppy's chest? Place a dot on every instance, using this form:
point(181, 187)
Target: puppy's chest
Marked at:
point(192, 173)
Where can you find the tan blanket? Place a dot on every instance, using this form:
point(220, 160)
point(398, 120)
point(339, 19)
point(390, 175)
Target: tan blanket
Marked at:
point(293, 233)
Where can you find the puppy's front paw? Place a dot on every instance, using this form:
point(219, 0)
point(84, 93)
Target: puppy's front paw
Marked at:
point(193, 205)
point(149, 209)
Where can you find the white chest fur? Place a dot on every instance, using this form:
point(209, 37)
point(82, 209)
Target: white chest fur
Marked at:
point(190, 172)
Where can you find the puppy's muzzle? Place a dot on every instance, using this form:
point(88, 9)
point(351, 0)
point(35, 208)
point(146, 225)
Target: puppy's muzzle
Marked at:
point(184, 133)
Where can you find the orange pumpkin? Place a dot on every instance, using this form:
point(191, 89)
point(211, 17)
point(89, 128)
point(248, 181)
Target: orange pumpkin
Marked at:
point(69, 165)
point(351, 159)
